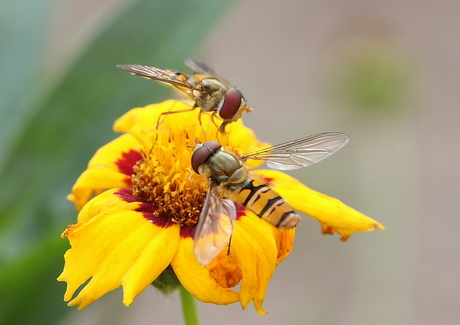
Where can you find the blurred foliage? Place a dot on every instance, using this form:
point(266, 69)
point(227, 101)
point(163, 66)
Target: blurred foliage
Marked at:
point(373, 72)
point(49, 130)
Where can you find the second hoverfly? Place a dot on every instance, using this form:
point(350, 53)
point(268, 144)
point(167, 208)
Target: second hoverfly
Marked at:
point(230, 181)
point(210, 93)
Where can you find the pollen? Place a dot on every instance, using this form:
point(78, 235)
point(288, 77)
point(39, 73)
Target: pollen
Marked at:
point(163, 178)
point(224, 269)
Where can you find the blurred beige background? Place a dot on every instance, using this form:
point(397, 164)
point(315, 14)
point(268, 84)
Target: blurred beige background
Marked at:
point(300, 65)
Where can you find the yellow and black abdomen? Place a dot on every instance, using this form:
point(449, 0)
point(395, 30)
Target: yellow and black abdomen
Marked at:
point(261, 199)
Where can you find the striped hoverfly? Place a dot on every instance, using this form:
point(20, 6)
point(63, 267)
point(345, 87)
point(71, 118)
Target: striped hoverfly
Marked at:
point(210, 93)
point(230, 181)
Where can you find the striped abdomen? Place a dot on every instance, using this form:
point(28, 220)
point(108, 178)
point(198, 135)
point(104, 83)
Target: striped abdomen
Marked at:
point(265, 203)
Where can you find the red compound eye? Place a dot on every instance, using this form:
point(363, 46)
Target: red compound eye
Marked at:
point(231, 105)
point(201, 154)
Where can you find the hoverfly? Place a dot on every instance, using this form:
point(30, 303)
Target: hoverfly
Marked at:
point(229, 177)
point(210, 93)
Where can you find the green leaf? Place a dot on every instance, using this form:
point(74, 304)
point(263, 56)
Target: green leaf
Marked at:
point(47, 148)
point(22, 35)
point(29, 292)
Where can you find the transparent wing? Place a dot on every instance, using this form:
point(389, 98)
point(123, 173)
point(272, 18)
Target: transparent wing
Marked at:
point(163, 75)
point(301, 152)
point(214, 227)
point(199, 67)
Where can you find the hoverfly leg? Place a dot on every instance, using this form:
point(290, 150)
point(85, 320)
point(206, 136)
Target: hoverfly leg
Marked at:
point(201, 125)
point(213, 116)
point(222, 126)
point(222, 137)
point(218, 132)
point(192, 179)
point(174, 112)
point(230, 239)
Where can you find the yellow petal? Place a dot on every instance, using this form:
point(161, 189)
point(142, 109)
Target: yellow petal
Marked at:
point(197, 279)
point(102, 202)
point(255, 250)
point(177, 117)
point(92, 182)
point(243, 140)
point(105, 248)
point(119, 154)
point(284, 242)
point(111, 167)
point(327, 210)
point(153, 259)
point(146, 118)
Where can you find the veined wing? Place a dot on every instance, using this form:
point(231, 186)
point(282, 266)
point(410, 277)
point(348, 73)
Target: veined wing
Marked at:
point(199, 67)
point(214, 227)
point(301, 152)
point(163, 75)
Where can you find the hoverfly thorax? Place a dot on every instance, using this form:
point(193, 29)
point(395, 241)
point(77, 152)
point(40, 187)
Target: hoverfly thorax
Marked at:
point(211, 93)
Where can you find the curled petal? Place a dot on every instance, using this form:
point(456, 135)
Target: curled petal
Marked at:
point(255, 250)
point(284, 241)
point(332, 213)
point(197, 279)
point(225, 270)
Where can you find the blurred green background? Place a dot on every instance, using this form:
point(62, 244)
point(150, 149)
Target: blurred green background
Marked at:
point(386, 74)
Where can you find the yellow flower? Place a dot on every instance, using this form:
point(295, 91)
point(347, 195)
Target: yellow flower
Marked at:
point(139, 203)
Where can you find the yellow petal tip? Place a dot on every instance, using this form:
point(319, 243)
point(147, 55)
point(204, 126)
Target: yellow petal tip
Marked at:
point(378, 225)
point(259, 308)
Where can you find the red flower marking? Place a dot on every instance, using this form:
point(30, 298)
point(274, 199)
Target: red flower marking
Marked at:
point(126, 195)
point(148, 210)
point(240, 211)
point(126, 163)
point(187, 231)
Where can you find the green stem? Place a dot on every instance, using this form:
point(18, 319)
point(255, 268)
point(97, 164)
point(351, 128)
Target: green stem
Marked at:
point(188, 307)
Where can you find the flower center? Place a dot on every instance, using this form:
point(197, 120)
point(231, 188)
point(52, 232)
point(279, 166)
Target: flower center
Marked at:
point(162, 178)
